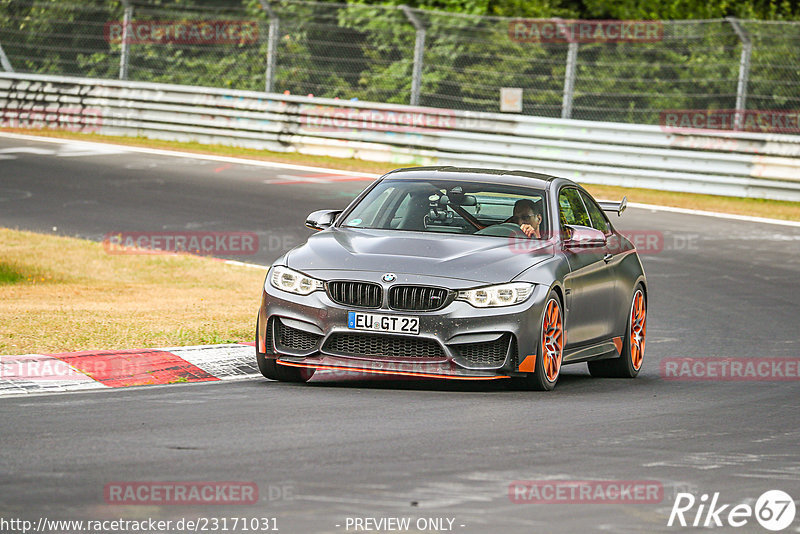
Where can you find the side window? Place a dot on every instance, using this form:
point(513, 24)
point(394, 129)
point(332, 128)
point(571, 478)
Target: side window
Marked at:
point(596, 215)
point(571, 209)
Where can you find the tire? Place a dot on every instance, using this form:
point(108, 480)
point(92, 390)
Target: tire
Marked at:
point(550, 348)
point(630, 361)
point(282, 373)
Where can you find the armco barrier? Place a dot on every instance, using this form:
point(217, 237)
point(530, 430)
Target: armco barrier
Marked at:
point(714, 162)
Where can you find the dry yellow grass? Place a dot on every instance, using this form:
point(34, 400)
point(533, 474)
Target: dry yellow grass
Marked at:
point(62, 294)
point(741, 206)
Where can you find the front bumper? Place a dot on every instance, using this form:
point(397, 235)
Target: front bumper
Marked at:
point(458, 341)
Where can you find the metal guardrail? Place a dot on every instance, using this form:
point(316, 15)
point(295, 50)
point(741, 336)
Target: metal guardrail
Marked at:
point(712, 162)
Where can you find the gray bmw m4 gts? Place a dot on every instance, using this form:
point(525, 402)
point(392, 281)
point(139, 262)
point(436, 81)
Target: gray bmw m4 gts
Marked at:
point(469, 274)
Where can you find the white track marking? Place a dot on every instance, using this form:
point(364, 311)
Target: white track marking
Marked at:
point(243, 264)
point(35, 373)
point(226, 362)
point(81, 149)
point(730, 216)
point(28, 150)
point(207, 157)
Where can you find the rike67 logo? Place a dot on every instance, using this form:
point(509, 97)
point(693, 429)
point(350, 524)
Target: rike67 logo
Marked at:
point(774, 510)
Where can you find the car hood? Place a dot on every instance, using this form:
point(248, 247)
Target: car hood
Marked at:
point(478, 258)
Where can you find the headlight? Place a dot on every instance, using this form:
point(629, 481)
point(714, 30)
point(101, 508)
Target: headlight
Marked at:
point(501, 295)
point(286, 279)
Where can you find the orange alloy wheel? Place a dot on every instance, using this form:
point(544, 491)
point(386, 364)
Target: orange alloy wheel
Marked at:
point(638, 329)
point(552, 340)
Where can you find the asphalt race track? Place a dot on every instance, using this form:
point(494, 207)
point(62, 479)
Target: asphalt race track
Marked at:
point(324, 453)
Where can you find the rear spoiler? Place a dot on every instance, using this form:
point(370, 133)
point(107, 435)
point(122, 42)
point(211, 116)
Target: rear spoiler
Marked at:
point(618, 207)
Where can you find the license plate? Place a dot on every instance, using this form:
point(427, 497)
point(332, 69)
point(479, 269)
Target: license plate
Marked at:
point(383, 323)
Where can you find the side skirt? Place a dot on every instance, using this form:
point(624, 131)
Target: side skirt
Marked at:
point(603, 350)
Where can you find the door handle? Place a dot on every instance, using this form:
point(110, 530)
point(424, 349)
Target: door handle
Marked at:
point(607, 258)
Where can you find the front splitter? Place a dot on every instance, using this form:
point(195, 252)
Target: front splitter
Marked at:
point(413, 369)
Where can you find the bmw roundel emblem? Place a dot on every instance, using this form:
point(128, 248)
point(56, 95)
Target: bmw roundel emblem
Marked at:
point(389, 277)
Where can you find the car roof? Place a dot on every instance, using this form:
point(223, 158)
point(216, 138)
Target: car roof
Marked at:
point(513, 177)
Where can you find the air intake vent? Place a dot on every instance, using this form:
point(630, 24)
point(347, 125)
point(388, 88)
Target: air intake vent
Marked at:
point(378, 346)
point(268, 337)
point(294, 339)
point(489, 354)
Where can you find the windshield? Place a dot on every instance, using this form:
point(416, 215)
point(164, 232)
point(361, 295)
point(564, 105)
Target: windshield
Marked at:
point(452, 207)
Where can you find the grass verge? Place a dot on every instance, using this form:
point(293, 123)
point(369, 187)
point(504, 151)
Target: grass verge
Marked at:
point(773, 209)
point(62, 294)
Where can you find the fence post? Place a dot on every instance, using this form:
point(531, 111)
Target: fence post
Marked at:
point(272, 46)
point(4, 62)
point(125, 49)
point(419, 51)
point(569, 80)
point(744, 71)
point(569, 72)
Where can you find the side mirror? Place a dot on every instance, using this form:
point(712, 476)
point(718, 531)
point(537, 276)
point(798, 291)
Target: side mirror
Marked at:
point(583, 237)
point(321, 219)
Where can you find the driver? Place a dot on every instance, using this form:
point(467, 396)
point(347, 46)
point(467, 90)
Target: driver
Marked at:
point(528, 215)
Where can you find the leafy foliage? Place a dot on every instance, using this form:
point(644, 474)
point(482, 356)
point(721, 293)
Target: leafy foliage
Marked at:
point(365, 50)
